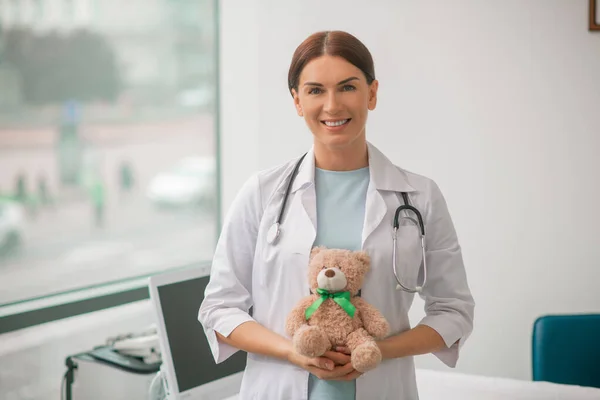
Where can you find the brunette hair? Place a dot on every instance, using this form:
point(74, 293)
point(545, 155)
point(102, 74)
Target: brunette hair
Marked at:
point(333, 43)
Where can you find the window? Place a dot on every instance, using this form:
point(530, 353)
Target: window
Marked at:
point(16, 11)
point(108, 144)
point(38, 9)
point(69, 9)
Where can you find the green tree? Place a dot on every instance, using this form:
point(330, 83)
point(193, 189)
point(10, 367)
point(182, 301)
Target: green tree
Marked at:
point(56, 67)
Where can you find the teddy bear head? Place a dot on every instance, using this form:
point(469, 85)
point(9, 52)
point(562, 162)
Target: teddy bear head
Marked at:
point(337, 270)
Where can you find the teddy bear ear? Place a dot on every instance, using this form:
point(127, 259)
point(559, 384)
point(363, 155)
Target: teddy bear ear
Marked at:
point(316, 250)
point(363, 258)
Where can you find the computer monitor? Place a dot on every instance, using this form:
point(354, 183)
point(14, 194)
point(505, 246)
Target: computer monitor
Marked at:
point(188, 366)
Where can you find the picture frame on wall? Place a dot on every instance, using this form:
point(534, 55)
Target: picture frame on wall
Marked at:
point(594, 15)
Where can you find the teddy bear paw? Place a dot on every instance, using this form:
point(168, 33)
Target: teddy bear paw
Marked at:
point(311, 341)
point(366, 357)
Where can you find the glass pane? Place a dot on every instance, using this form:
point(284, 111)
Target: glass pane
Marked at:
point(107, 141)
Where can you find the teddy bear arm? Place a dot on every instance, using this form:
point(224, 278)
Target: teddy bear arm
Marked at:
point(373, 321)
point(296, 317)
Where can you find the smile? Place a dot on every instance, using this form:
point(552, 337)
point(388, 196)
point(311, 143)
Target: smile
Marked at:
point(336, 123)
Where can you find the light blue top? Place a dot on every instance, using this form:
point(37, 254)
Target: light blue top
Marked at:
point(341, 198)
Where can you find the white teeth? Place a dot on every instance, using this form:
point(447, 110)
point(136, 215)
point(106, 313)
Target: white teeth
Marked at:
point(336, 123)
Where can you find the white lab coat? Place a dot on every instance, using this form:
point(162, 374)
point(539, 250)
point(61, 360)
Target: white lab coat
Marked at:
point(247, 272)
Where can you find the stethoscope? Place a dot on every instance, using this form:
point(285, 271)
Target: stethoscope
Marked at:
point(274, 232)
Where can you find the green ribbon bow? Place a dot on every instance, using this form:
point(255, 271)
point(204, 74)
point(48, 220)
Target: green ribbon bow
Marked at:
point(342, 298)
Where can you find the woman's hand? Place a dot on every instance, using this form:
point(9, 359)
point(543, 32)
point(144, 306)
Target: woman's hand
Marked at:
point(343, 350)
point(338, 357)
point(342, 354)
point(331, 366)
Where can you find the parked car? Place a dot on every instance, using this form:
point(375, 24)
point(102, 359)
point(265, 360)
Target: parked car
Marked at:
point(12, 218)
point(190, 182)
point(201, 97)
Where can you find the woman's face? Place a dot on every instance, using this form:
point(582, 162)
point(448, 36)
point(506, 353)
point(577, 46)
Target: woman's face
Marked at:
point(334, 98)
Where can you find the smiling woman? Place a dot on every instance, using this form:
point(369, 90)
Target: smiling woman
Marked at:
point(343, 194)
point(332, 81)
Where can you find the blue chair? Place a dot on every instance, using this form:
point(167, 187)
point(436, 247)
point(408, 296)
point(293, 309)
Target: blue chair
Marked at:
point(566, 349)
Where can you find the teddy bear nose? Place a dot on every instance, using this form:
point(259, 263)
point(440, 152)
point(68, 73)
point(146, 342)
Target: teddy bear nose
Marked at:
point(330, 273)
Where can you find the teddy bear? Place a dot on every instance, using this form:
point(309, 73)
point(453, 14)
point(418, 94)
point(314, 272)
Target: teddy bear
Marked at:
point(333, 314)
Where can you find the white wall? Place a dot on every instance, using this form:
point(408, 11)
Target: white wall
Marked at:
point(239, 85)
point(498, 102)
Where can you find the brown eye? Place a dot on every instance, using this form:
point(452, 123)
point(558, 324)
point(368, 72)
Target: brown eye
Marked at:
point(324, 266)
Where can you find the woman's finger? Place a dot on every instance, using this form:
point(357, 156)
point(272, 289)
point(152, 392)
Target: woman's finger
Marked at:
point(336, 357)
point(337, 372)
point(349, 377)
point(342, 349)
point(322, 363)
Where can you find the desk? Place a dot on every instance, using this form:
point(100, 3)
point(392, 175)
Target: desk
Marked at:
point(96, 380)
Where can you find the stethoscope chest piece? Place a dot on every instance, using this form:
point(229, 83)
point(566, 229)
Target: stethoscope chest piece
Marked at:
point(273, 233)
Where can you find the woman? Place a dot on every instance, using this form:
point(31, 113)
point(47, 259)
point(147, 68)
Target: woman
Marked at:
point(344, 194)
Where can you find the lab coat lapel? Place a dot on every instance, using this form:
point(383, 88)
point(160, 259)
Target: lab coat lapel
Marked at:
point(309, 204)
point(375, 211)
point(302, 234)
point(384, 177)
point(304, 224)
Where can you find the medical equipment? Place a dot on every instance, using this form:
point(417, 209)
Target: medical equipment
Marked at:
point(104, 373)
point(421, 226)
point(189, 371)
point(275, 230)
